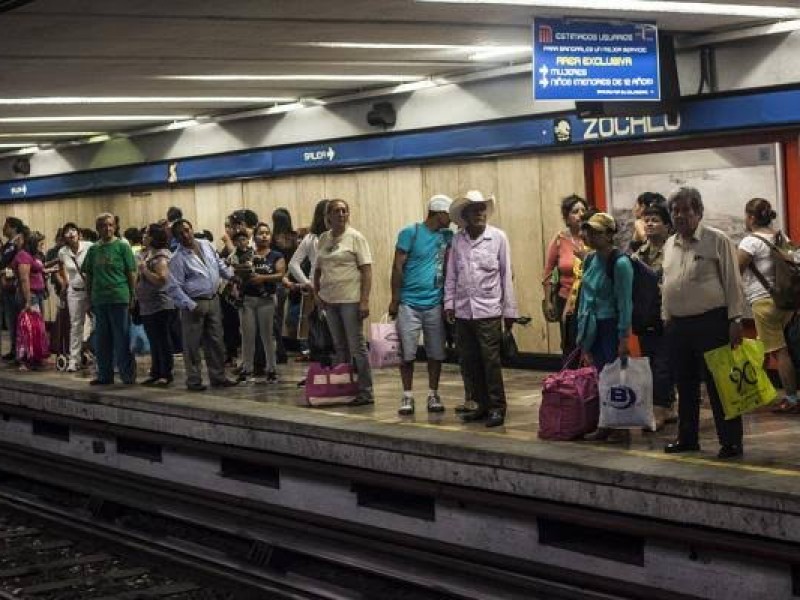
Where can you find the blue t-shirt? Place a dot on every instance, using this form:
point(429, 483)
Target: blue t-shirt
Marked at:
point(423, 274)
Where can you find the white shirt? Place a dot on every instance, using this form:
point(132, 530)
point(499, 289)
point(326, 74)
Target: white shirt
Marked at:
point(308, 248)
point(68, 258)
point(760, 253)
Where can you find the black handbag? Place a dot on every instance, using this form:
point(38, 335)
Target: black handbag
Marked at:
point(320, 341)
point(509, 351)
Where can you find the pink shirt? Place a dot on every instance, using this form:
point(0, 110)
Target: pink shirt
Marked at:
point(37, 269)
point(561, 255)
point(479, 282)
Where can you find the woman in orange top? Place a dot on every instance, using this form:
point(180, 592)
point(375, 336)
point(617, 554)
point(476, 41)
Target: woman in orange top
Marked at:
point(562, 251)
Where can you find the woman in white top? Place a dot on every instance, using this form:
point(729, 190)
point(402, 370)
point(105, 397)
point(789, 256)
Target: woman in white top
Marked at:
point(754, 255)
point(308, 248)
point(70, 259)
point(342, 281)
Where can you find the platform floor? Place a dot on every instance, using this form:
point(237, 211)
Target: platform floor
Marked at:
point(772, 442)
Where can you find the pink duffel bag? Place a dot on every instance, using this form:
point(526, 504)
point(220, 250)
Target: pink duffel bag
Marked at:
point(570, 403)
point(33, 346)
point(330, 385)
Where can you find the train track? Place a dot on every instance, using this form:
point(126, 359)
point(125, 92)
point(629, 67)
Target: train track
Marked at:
point(269, 552)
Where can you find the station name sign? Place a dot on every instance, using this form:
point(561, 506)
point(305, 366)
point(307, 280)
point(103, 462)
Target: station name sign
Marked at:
point(595, 61)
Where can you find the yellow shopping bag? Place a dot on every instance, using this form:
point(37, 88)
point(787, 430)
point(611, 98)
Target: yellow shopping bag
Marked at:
point(740, 378)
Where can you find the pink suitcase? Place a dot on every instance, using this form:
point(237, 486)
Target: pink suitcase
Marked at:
point(330, 385)
point(570, 404)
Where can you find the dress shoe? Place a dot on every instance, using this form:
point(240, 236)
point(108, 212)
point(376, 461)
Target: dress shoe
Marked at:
point(196, 387)
point(466, 407)
point(678, 446)
point(225, 383)
point(100, 382)
point(495, 418)
point(601, 434)
point(730, 451)
point(473, 416)
point(362, 401)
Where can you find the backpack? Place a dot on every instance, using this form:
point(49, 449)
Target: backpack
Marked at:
point(786, 291)
point(646, 297)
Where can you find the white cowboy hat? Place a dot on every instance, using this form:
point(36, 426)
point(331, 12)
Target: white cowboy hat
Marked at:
point(472, 196)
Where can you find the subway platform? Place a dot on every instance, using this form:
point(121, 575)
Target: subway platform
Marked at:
point(705, 527)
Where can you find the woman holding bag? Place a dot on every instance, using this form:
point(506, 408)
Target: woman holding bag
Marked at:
point(758, 276)
point(605, 308)
point(342, 281)
point(563, 252)
point(29, 270)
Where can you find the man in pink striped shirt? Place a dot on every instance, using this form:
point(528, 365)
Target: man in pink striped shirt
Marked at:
point(479, 298)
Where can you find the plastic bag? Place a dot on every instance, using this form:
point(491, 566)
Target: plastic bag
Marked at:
point(384, 344)
point(139, 343)
point(739, 375)
point(32, 343)
point(626, 395)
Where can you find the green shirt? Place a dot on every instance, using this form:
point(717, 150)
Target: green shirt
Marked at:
point(108, 265)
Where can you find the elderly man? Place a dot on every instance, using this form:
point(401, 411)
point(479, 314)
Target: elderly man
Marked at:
point(196, 270)
point(417, 290)
point(702, 306)
point(110, 271)
point(478, 297)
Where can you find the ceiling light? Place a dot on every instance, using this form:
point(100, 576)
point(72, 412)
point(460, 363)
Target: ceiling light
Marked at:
point(413, 86)
point(93, 118)
point(493, 53)
point(182, 124)
point(49, 134)
point(650, 6)
point(18, 145)
point(373, 78)
point(142, 100)
point(99, 139)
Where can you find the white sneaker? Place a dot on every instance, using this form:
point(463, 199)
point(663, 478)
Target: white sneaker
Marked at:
point(435, 403)
point(72, 367)
point(406, 406)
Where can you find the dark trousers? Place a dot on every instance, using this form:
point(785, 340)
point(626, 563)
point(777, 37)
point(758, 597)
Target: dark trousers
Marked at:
point(280, 309)
point(689, 339)
point(231, 329)
point(479, 343)
point(568, 327)
point(655, 346)
point(203, 328)
point(112, 324)
point(605, 348)
point(10, 314)
point(158, 327)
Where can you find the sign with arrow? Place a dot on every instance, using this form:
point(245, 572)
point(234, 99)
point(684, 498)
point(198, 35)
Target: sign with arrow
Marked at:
point(320, 155)
point(595, 61)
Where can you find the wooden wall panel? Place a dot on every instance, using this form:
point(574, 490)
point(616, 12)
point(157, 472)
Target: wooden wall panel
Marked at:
point(519, 214)
point(528, 189)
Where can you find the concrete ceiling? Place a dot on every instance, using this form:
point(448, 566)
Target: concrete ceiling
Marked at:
point(90, 48)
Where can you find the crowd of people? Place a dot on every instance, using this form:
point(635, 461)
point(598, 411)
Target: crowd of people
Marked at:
point(231, 302)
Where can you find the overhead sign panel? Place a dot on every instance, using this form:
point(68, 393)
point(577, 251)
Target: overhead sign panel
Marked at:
point(595, 61)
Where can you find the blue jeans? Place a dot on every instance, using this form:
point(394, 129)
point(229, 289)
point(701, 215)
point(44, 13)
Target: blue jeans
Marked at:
point(112, 343)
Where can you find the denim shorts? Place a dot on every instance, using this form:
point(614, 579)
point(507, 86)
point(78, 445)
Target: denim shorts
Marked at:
point(410, 322)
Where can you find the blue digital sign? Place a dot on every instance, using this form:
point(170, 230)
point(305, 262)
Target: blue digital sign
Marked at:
point(595, 61)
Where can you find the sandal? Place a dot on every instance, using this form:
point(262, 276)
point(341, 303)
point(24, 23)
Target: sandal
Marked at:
point(786, 408)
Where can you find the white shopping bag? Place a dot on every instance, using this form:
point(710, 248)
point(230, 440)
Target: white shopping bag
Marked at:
point(384, 344)
point(626, 395)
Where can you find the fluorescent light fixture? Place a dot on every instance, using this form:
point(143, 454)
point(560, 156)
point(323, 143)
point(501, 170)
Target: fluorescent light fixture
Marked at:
point(98, 139)
point(413, 86)
point(18, 145)
point(320, 77)
point(476, 52)
point(72, 119)
point(142, 100)
point(182, 124)
point(650, 6)
point(48, 134)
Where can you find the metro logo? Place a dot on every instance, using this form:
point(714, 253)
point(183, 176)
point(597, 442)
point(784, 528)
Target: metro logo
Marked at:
point(545, 34)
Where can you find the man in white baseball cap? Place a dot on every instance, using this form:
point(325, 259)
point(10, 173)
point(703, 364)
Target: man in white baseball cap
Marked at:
point(417, 292)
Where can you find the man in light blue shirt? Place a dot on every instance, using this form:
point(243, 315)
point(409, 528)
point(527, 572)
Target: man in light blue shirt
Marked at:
point(417, 290)
point(195, 272)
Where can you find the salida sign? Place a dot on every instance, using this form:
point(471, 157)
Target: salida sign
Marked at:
point(327, 154)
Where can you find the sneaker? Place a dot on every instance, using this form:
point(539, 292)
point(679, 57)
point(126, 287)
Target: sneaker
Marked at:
point(406, 406)
point(435, 403)
point(242, 377)
point(272, 377)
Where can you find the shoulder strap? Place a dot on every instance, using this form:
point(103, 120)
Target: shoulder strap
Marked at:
point(612, 262)
point(763, 280)
point(771, 245)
